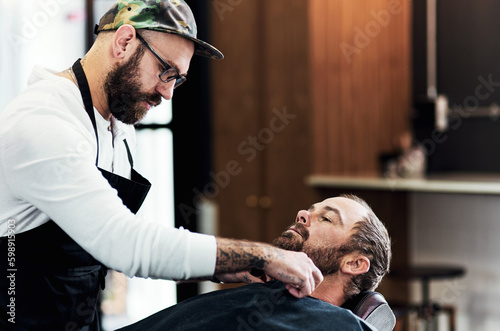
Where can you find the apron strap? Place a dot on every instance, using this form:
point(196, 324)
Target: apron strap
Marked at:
point(130, 159)
point(83, 85)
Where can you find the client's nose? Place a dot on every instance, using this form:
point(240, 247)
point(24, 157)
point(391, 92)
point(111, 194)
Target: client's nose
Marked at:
point(303, 217)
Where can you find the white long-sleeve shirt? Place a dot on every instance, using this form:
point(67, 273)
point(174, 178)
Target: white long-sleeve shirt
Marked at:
point(47, 171)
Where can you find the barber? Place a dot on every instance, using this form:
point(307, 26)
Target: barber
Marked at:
point(69, 192)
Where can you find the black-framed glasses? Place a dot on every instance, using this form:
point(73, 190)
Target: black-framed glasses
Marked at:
point(169, 73)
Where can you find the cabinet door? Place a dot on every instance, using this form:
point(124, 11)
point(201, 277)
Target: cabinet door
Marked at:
point(237, 95)
point(261, 115)
point(287, 113)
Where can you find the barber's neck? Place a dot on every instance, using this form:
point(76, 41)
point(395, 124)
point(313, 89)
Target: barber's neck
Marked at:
point(96, 75)
point(330, 290)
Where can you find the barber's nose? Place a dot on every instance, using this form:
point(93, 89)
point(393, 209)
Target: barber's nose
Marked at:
point(303, 217)
point(166, 89)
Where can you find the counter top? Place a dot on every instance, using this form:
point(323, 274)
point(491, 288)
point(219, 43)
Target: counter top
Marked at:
point(448, 183)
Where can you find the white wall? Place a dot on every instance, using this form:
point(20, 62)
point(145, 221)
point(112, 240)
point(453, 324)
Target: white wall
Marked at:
point(460, 230)
point(37, 32)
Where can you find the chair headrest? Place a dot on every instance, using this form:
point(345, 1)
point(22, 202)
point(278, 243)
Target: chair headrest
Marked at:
point(373, 308)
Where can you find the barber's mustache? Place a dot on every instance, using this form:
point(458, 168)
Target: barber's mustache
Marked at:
point(154, 98)
point(127, 99)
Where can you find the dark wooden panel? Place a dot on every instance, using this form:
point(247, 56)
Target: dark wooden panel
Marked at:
point(319, 89)
point(236, 103)
point(287, 103)
point(367, 70)
point(261, 92)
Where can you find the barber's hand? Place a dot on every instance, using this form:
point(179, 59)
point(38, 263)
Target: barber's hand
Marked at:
point(249, 277)
point(296, 270)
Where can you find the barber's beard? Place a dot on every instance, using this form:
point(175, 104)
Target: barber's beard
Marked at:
point(123, 90)
point(327, 259)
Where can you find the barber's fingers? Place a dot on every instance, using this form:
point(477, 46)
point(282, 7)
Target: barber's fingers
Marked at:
point(296, 270)
point(261, 275)
point(295, 291)
point(249, 278)
point(304, 289)
point(317, 276)
point(239, 277)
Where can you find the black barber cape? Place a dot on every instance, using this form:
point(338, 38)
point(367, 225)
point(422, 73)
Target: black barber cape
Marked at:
point(266, 306)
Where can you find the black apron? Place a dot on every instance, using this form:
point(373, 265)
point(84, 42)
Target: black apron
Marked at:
point(56, 283)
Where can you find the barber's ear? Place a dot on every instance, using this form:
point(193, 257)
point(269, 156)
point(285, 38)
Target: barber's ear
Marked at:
point(122, 41)
point(355, 264)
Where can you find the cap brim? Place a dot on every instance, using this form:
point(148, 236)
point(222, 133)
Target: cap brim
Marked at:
point(201, 48)
point(205, 49)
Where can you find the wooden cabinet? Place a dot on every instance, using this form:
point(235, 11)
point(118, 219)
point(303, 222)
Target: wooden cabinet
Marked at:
point(262, 115)
point(307, 86)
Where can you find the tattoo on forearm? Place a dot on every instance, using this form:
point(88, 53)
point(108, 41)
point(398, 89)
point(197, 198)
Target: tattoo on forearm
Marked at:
point(233, 256)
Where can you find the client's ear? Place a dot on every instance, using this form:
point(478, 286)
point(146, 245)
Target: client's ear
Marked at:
point(355, 264)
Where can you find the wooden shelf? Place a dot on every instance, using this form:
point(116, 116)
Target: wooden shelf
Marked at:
point(451, 183)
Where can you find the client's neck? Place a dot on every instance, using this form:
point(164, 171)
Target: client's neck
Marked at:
point(330, 290)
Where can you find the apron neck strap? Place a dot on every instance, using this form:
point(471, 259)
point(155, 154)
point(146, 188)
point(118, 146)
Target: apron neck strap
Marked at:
point(83, 85)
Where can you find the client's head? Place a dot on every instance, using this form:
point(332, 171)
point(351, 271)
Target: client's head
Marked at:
point(342, 236)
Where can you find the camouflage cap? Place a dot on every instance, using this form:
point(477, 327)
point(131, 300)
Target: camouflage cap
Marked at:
point(170, 16)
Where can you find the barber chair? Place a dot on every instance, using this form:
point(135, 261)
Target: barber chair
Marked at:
point(373, 308)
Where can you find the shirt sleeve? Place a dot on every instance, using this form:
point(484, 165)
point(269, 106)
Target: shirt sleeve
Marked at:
point(50, 159)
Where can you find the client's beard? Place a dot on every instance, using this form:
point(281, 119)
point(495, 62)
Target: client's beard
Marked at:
point(290, 241)
point(326, 259)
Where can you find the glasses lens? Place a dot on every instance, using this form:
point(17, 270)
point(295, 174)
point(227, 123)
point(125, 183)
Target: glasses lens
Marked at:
point(169, 75)
point(180, 81)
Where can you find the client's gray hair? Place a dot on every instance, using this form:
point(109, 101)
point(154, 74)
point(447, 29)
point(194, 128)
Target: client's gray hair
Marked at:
point(372, 240)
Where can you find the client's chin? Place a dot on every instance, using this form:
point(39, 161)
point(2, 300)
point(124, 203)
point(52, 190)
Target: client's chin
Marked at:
point(290, 241)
